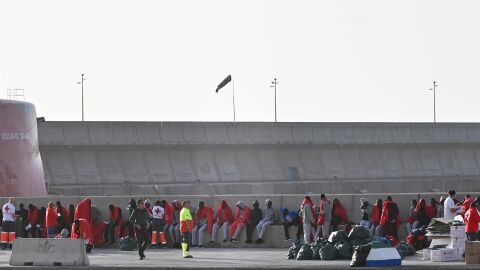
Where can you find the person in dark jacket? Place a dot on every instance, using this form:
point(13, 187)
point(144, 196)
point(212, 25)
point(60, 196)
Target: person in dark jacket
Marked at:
point(255, 217)
point(291, 218)
point(22, 221)
point(139, 219)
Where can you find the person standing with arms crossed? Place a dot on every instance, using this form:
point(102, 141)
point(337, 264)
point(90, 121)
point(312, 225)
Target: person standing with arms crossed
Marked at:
point(8, 224)
point(186, 227)
point(139, 219)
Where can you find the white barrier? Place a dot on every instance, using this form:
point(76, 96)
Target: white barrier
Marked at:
point(49, 252)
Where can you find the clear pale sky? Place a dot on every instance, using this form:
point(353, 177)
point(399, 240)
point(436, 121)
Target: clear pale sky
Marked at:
point(162, 60)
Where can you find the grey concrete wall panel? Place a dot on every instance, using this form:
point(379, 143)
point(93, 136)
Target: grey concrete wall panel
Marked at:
point(249, 166)
point(382, 134)
point(182, 166)
point(448, 160)
point(194, 134)
point(343, 134)
point(313, 164)
point(133, 166)
point(473, 134)
point(111, 168)
point(290, 158)
point(159, 167)
point(333, 164)
point(353, 165)
point(76, 134)
point(217, 134)
point(125, 133)
point(52, 134)
point(281, 134)
point(260, 135)
point(271, 165)
point(204, 163)
point(302, 134)
point(373, 163)
point(430, 163)
point(364, 134)
point(238, 134)
point(101, 133)
point(457, 134)
point(86, 167)
point(171, 134)
point(440, 134)
point(148, 134)
point(61, 167)
point(401, 134)
point(467, 160)
point(323, 135)
point(392, 162)
point(227, 165)
point(411, 162)
point(422, 134)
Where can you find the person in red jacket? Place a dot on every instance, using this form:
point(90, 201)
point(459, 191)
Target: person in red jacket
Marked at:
point(34, 225)
point(431, 209)
point(466, 204)
point(339, 214)
point(115, 222)
point(376, 215)
point(204, 222)
point(390, 219)
point(224, 218)
point(241, 218)
point(51, 220)
point(472, 218)
point(81, 229)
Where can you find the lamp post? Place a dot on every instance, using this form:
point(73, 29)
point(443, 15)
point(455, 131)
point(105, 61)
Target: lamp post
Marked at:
point(435, 85)
point(81, 82)
point(274, 85)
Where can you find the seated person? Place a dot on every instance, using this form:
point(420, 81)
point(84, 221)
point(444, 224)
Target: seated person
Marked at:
point(291, 218)
point(268, 215)
point(223, 219)
point(241, 218)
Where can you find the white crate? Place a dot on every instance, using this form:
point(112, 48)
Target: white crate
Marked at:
point(427, 255)
point(457, 231)
point(445, 255)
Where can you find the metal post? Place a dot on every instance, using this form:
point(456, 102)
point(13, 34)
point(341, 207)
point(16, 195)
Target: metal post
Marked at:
point(233, 93)
point(83, 118)
point(435, 85)
point(274, 85)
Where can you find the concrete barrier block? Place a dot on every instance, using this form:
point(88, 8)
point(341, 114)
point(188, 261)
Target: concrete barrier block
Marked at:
point(323, 135)
point(302, 134)
point(194, 135)
point(260, 135)
point(49, 252)
point(217, 134)
point(238, 134)
point(100, 133)
point(148, 134)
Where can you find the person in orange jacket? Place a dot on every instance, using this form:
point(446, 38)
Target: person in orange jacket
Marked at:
point(204, 222)
point(51, 220)
point(224, 218)
point(241, 218)
point(115, 214)
point(472, 218)
point(466, 204)
point(376, 215)
point(81, 229)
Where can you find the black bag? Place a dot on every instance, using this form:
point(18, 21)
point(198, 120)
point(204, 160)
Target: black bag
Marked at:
point(328, 252)
point(344, 250)
point(293, 250)
point(305, 253)
point(359, 232)
point(316, 246)
point(359, 258)
point(127, 243)
point(337, 237)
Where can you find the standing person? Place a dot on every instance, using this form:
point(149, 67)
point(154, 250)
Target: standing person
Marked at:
point(34, 225)
point(432, 208)
point(71, 214)
point(339, 215)
point(7, 235)
point(51, 221)
point(291, 218)
point(168, 217)
point(116, 221)
point(376, 216)
point(367, 211)
point(412, 220)
point(450, 210)
point(440, 207)
point(158, 217)
point(174, 229)
point(422, 215)
point(63, 217)
point(466, 204)
point(22, 221)
point(186, 226)
point(324, 217)
point(139, 219)
point(308, 219)
point(224, 218)
point(390, 219)
point(268, 219)
point(81, 229)
point(132, 204)
point(241, 218)
point(204, 222)
point(253, 220)
point(472, 218)
point(43, 222)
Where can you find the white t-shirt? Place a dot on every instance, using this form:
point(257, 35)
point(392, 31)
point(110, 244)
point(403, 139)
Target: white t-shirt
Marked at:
point(158, 212)
point(447, 205)
point(8, 211)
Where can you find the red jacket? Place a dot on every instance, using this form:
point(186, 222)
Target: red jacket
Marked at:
point(84, 210)
point(377, 211)
point(228, 214)
point(245, 217)
point(466, 205)
point(472, 218)
point(312, 206)
point(85, 231)
point(321, 218)
point(34, 216)
point(169, 210)
point(339, 211)
point(51, 218)
point(115, 216)
point(207, 213)
point(385, 214)
point(431, 211)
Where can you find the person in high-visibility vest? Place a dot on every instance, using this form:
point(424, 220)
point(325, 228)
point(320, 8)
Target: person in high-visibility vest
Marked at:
point(186, 226)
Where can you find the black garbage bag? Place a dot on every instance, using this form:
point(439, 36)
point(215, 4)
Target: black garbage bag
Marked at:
point(406, 249)
point(344, 250)
point(127, 243)
point(328, 252)
point(316, 246)
point(358, 242)
point(359, 232)
point(337, 237)
point(305, 253)
point(359, 258)
point(293, 250)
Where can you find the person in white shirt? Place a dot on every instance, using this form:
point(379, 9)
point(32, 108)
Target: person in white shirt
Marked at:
point(8, 224)
point(450, 210)
point(158, 217)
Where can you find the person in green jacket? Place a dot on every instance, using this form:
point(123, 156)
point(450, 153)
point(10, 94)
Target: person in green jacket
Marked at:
point(186, 227)
point(139, 219)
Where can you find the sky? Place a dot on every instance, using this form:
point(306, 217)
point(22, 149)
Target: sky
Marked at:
point(336, 61)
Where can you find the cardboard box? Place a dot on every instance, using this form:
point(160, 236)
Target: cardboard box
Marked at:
point(427, 255)
point(457, 243)
point(472, 258)
point(445, 255)
point(457, 231)
point(472, 247)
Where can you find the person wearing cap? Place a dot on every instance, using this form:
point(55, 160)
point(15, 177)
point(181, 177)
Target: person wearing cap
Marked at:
point(139, 218)
point(241, 218)
point(204, 222)
point(186, 227)
point(472, 218)
point(268, 215)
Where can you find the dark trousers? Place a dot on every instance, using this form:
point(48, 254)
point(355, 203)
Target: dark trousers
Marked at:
point(142, 238)
point(187, 239)
point(390, 229)
point(335, 221)
point(473, 236)
point(249, 228)
point(34, 232)
point(112, 229)
point(286, 225)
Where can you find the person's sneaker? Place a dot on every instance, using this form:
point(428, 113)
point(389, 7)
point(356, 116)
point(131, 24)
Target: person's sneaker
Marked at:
point(193, 246)
point(188, 257)
point(224, 240)
point(235, 240)
point(143, 255)
point(211, 242)
point(248, 241)
point(259, 241)
point(200, 246)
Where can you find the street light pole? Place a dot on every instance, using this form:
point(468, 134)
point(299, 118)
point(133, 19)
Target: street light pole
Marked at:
point(435, 85)
point(81, 82)
point(274, 85)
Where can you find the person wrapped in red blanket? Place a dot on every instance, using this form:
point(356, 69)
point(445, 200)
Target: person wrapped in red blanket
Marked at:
point(81, 229)
point(390, 220)
point(241, 218)
point(224, 218)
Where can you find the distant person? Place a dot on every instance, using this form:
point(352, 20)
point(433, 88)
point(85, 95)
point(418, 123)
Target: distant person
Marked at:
point(224, 218)
point(339, 215)
point(450, 209)
point(440, 207)
point(390, 219)
point(291, 218)
point(422, 216)
point(158, 223)
point(376, 216)
point(432, 208)
point(81, 229)
point(253, 220)
point(43, 222)
point(139, 219)
point(71, 214)
point(412, 217)
point(204, 224)
point(7, 236)
point(186, 226)
point(63, 217)
point(308, 219)
point(174, 228)
point(324, 217)
point(268, 215)
point(466, 204)
point(367, 211)
point(22, 221)
point(241, 218)
point(168, 218)
point(63, 234)
point(34, 225)
point(51, 221)
point(472, 218)
point(116, 223)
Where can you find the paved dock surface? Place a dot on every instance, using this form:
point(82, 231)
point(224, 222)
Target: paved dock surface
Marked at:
point(225, 258)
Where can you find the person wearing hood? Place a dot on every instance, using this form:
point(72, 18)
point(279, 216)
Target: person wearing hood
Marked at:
point(241, 218)
point(339, 214)
point(174, 228)
point(472, 219)
point(81, 229)
point(204, 220)
point(390, 219)
point(412, 220)
point(367, 211)
point(267, 220)
point(466, 204)
point(224, 218)
point(376, 215)
point(422, 216)
point(324, 217)
point(34, 224)
point(291, 218)
point(253, 220)
point(51, 221)
point(307, 212)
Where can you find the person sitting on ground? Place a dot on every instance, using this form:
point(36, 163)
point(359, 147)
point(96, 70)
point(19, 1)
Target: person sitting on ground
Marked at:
point(81, 229)
point(450, 210)
point(412, 217)
point(390, 219)
point(268, 215)
point(376, 216)
point(241, 218)
point(367, 211)
point(116, 223)
point(204, 222)
point(466, 204)
point(34, 225)
point(339, 215)
point(472, 218)
point(51, 221)
point(174, 228)
point(224, 218)
point(253, 220)
point(291, 218)
point(324, 217)
point(422, 216)
point(307, 212)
